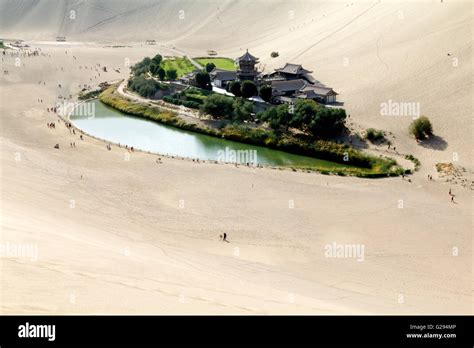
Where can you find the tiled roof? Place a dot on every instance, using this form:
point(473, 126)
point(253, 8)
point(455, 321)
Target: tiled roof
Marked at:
point(317, 90)
point(294, 69)
point(287, 86)
point(247, 57)
point(223, 74)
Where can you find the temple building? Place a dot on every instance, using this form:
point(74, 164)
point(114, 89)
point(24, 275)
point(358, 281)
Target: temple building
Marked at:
point(247, 70)
point(290, 72)
point(288, 83)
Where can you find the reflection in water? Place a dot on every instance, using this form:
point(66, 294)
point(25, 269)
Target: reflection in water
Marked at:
point(114, 126)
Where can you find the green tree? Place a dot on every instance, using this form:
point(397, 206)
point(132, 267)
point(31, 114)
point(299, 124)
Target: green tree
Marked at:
point(248, 89)
point(141, 67)
point(265, 93)
point(218, 106)
point(242, 110)
point(235, 88)
point(203, 80)
point(210, 67)
point(153, 68)
point(327, 122)
point(421, 128)
point(278, 116)
point(304, 111)
point(157, 59)
point(316, 119)
point(171, 74)
point(161, 73)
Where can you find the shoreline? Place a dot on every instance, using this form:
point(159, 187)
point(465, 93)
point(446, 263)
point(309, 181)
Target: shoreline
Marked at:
point(154, 113)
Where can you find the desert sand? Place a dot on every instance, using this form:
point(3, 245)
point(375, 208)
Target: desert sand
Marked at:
point(134, 236)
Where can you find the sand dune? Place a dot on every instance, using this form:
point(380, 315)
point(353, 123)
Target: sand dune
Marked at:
point(127, 247)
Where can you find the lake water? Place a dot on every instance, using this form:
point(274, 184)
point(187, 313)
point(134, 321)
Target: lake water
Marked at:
point(143, 134)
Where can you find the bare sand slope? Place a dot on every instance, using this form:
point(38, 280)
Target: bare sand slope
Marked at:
point(128, 247)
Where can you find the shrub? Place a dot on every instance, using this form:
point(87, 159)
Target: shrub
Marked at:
point(147, 88)
point(242, 110)
point(89, 95)
point(374, 135)
point(415, 161)
point(196, 98)
point(218, 106)
point(187, 103)
point(421, 128)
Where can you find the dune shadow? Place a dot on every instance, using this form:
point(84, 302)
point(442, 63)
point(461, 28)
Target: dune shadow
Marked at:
point(434, 143)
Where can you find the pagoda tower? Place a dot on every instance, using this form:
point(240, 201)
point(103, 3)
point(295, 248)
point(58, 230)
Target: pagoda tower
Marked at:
point(247, 70)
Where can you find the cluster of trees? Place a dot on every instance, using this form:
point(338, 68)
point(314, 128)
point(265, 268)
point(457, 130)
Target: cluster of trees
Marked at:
point(307, 116)
point(153, 66)
point(147, 88)
point(222, 107)
point(248, 89)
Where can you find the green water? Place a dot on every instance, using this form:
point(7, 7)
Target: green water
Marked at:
point(143, 134)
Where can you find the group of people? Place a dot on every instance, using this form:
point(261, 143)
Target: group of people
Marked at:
point(51, 125)
point(430, 178)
